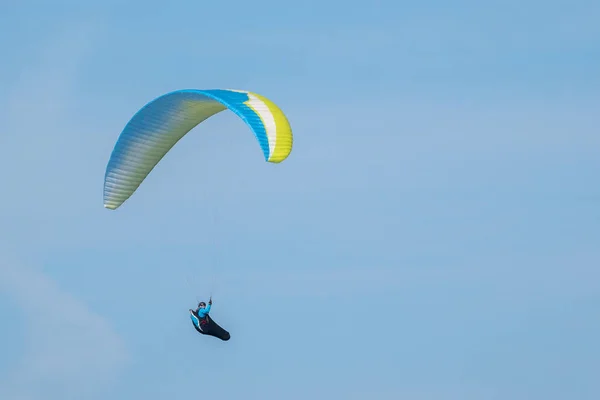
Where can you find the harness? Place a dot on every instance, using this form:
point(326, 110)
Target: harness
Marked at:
point(202, 322)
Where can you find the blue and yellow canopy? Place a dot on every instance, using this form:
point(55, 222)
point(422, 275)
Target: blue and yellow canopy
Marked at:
point(155, 129)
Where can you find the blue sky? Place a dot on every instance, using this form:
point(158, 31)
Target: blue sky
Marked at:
point(434, 234)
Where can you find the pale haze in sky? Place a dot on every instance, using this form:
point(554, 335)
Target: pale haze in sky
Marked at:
point(435, 233)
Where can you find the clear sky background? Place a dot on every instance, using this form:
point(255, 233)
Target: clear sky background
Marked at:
point(435, 233)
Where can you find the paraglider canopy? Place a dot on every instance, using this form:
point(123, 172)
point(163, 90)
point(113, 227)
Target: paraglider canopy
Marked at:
point(160, 124)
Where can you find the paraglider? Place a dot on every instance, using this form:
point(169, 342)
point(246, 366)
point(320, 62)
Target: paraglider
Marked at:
point(160, 124)
point(204, 324)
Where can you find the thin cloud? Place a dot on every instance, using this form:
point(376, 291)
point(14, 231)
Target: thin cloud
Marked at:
point(70, 350)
